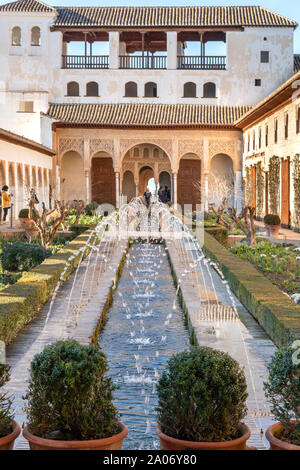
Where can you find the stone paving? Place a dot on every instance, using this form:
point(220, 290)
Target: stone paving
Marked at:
point(217, 324)
point(75, 313)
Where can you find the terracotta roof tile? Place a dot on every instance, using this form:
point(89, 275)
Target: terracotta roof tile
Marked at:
point(197, 16)
point(145, 115)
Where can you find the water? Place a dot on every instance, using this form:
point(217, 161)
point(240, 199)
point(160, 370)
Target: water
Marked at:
point(145, 328)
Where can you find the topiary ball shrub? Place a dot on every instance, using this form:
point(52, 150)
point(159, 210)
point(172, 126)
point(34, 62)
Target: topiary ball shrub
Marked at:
point(69, 397)
point(91, 208)
point(6, 415)
point(202, 396)
point(272, 219)
point(24, 214)
point(283, 392)
point(18, 256)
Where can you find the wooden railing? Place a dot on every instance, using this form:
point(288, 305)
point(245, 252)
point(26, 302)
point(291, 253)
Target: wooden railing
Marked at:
point(143, 62)
point(85, 62)
point(201, 63)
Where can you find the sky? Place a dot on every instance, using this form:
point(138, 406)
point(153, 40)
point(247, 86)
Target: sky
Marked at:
point(288, 8)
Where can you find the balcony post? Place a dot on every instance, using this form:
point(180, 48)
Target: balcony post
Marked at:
point(114, 49)
point(172, 49)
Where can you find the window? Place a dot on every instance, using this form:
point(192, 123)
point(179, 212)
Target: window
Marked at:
point(189, 90)
point(209, 90)
point(35, 36)
point(254, 142)
point(258, 82)
point(265, 57)
point(73, 89)
point(136, 152)
point(156, 153)
point(286, 126)
point(259, 138)
point(150, 90)
point(146, 152)
point(25, 106)
point(276, 131)
point(267, 136)
point(131, 90)
point(248, 143)
point(92, 89)
point(16, 36)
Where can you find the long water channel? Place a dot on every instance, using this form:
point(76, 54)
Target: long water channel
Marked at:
point(145, 327)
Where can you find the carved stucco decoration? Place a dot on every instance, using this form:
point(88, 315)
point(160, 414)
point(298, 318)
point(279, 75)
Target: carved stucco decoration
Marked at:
point(218, 146)
point(190, 146)
point(164, 167)
point(71, 145)
point(101, 145)
point(164, 144)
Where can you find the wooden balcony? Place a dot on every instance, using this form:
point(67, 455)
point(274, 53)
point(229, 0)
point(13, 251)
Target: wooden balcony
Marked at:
point(85, 62)
point(143, 62)
point(201, 62)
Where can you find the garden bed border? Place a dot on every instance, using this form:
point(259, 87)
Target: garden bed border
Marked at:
point(275, 311)
point(20, 302)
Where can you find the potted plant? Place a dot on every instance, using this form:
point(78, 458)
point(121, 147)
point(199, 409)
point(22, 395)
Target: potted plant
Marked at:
point(9, 429)
point(69, 400)
point(202, 402)
point(272, 224)
point(283, 392)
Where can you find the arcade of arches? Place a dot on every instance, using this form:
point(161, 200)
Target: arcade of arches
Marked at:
point(111, 171)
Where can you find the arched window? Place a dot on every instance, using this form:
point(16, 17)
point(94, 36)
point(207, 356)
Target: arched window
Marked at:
point(92, 89)
point(189, 90)
point(73, 89)
point(35, 36)
point(156, 153)
point(209, 90)
point(146, 152)
point(16, 36)
point(150, 90)
point(136, 152)
point(131, 90)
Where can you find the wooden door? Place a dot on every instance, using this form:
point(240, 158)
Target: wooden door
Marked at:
point(253, 187)
point(103, 181)
point(189, 175)
point(285, 192)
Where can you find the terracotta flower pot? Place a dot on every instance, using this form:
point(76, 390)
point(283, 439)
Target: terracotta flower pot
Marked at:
point(7, 442)
point(110, 443)
point(170, 443)
point(273, 435)
point(27, 225)
point(272, 230)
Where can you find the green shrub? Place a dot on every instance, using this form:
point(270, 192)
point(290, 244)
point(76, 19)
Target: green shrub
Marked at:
point(219, 233)
point(272, 219)
point(18, 256)
point(91, 209)
point(79, 229)
point(69, 393)
point(283, 392)
point(202, 396)
point(5, 404)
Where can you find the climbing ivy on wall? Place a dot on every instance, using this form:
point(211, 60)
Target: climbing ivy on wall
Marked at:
point(260, 190)
point(274, 184)
point(296, 177)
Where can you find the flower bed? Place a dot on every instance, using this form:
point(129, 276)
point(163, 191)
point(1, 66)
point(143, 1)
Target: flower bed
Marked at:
point(278, 263)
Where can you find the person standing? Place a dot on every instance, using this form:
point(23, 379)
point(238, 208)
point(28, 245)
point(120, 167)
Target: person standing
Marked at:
point(6, 202)
point(147, 195)
point(161, 194)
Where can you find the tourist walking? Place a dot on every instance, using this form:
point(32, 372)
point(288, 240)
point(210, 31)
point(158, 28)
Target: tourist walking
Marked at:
point(147, 196)
point(160, 194)
point(6, 202)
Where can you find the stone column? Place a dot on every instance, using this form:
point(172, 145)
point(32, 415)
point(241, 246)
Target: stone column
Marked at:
point(175, 190)
point(238, 196)
point(172, 49)
point(117, 176)
point(87, 186)
point(114, 49)
point(205, 193)
point(17, 204)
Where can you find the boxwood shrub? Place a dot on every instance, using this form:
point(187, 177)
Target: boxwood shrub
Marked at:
point(202, 396)
point(219, 233)
point(69, 395)
point(5, 403)
point(19, 256)
point(272, 219)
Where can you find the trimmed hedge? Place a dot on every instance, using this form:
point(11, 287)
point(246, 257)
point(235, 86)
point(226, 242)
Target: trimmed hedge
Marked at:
point(219, 233)
point(20, 302)
point(80, 228)
point(275, 311)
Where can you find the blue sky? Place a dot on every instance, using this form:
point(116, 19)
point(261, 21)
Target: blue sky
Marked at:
point(289, 8)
